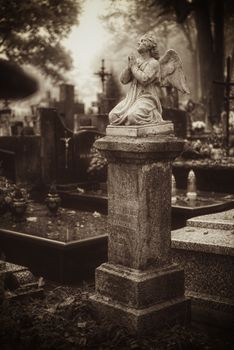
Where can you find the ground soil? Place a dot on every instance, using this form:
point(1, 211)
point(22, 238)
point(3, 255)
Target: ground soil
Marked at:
point(64, 319)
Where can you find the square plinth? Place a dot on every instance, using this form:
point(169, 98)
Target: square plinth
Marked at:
point(143, 321)
point(141, 301)
point(139, 289)
point(164, 128)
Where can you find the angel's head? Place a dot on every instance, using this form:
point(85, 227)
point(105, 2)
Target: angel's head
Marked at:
point(148, 43)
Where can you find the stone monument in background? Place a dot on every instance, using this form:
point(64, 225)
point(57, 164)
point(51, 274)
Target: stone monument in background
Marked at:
point(139, 287)
point(67, 107)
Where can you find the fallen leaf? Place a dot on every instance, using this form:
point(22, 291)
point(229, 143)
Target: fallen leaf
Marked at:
point(80, 190)
point(67, 301)
point(52, 309)
point(32, 219)
point(81, 324)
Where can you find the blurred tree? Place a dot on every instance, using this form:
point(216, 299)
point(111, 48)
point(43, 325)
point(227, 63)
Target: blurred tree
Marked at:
point(31, 31)
point(210, 17)
point(141, 16)
point(203, 23)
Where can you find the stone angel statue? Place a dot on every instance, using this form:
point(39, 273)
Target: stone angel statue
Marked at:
point(147, 72)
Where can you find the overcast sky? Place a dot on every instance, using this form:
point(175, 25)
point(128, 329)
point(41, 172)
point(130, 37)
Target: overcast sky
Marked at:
point(86, 43)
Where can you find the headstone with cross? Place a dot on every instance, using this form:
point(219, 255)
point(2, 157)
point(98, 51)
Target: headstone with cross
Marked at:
point(66, 141)
point(66, 156)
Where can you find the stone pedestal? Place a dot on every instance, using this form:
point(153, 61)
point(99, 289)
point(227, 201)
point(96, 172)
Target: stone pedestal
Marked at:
point(139, 287)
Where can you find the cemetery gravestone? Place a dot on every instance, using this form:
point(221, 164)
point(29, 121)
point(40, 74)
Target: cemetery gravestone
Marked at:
point(65, 155)
point(84, 150)
point(205, 248)
point(47, 118)
point(57, 148)
point(20, 158)
point(67, 107)
point(179, 119)
point(100, 121)
point(90, 175)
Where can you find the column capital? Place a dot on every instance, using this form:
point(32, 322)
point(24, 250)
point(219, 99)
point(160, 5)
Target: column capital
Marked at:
point(140, 148)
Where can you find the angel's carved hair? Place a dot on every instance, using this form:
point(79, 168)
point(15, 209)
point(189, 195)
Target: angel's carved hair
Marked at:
point(152, 45)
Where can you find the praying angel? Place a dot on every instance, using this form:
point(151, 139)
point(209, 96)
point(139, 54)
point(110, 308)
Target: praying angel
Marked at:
point(146, 73)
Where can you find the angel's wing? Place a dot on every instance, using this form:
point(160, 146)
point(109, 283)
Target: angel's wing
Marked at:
point(171, 71)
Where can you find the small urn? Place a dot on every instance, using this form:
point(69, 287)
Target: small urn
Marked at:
point(173, 190)
point(191, 186)
point(18, 205)
point(53, 200)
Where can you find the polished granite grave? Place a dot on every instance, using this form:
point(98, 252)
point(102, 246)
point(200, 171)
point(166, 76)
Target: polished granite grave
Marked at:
point(205, 248)
point(64, 248)
point(205, 203)
point(69, 246)
point(182, 209)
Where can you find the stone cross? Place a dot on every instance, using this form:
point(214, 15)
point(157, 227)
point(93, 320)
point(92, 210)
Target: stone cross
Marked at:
point(103, 75)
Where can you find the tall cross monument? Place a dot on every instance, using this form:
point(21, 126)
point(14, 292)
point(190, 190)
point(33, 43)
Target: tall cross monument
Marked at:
point(103, 74)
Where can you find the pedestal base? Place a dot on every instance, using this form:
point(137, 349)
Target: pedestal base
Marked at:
point(141, 301)
point(143, 321)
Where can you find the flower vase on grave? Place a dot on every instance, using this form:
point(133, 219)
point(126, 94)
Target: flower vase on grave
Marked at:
point(191, 186)
point(53, 200)
point(18, 205)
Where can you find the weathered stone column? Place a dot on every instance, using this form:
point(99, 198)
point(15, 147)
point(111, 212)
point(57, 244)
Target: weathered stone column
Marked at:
point(139, 287)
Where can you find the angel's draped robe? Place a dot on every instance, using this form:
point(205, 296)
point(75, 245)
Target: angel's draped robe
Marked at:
point(141, 105)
